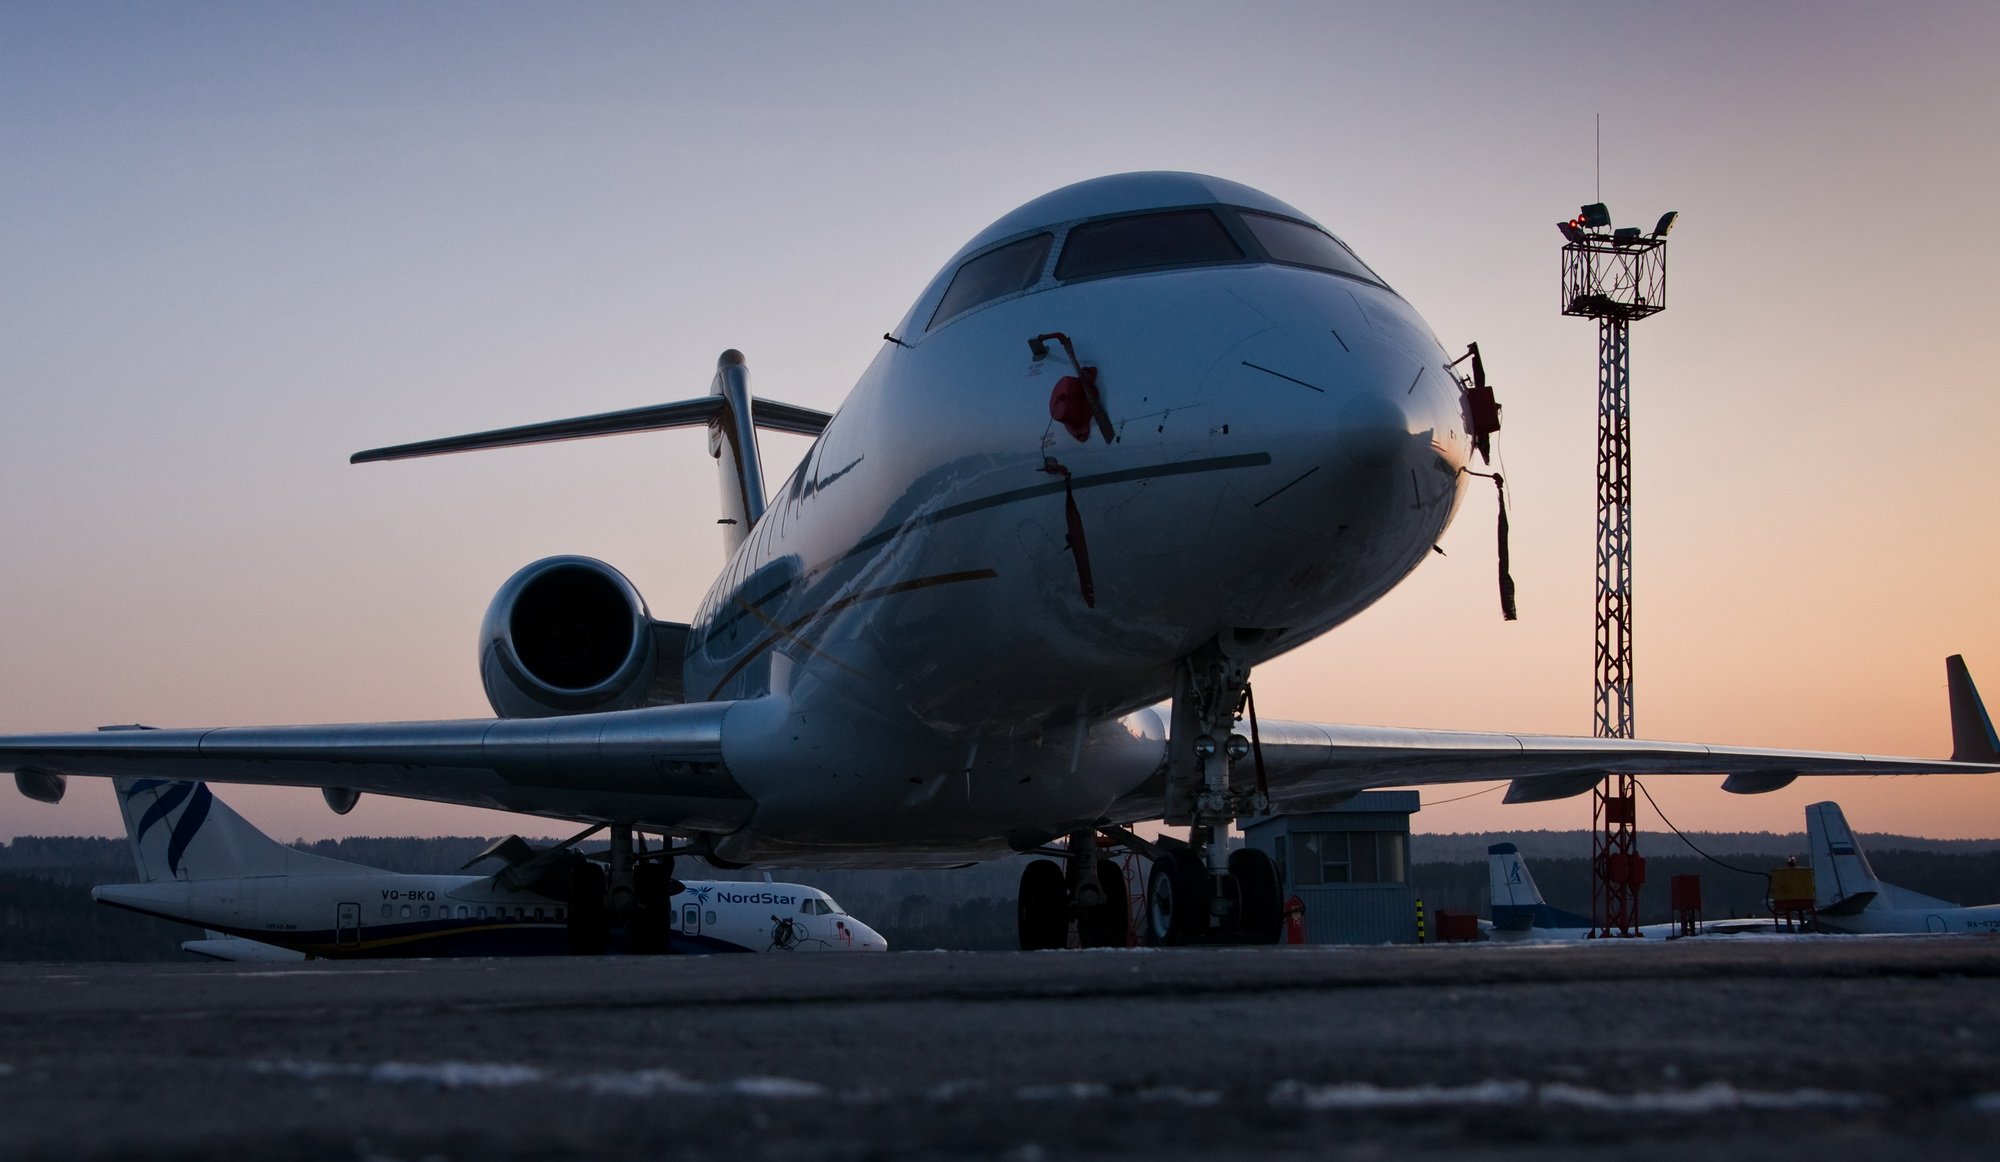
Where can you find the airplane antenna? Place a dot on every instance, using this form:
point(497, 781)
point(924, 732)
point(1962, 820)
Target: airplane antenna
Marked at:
point(1616, 276)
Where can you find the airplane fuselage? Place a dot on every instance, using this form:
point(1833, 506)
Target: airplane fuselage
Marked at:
point(1288, 445)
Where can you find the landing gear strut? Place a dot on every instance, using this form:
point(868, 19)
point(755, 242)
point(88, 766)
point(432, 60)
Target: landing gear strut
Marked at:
point(1199, 891)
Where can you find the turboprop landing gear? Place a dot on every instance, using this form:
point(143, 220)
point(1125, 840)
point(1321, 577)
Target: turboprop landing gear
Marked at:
point(1199, 891)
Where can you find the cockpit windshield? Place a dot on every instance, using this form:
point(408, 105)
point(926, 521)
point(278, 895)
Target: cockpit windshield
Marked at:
point(814, 906)
point(1297, 244)
point(1142, 241)
point(1013, 267)
point(1138, 243)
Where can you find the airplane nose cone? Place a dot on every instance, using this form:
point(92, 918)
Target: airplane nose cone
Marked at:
point(1372, 429)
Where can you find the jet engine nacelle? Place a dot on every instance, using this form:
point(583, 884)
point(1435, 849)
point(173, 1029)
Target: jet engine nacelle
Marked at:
point(570, 635)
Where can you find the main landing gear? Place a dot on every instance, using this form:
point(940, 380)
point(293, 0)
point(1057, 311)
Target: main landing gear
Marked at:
point(632, 897)
point(1087, 888)
point(1198, 891)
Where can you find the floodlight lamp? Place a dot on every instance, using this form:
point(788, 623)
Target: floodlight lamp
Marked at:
point(1666, 223)
point(1595, 216)
point(1570, 232)
point(1625, 234)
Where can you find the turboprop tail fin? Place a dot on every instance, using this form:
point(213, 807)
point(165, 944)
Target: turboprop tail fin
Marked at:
point(181, 831)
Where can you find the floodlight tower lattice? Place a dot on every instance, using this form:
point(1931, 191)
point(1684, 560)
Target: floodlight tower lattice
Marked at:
point(1616, 277)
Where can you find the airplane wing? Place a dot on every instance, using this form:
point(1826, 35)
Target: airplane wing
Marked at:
point(1310, 765)
point(662, 764)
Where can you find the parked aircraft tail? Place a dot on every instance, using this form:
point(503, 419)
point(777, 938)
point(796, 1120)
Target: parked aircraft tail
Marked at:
point(181, 831)
point(1517, 902)
point(1842, 880)
point(1972, 736)
point(727, 411)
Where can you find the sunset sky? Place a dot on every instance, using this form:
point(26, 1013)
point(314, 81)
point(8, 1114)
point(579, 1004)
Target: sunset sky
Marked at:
point(238, 243)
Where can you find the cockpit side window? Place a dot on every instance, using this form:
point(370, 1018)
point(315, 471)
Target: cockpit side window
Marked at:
point(1003, 271)
point(1297, 244)
point(1144, 241)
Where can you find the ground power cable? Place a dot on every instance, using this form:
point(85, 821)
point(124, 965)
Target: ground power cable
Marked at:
point(1698, 851)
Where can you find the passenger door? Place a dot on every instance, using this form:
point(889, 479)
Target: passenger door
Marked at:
point(347, 926)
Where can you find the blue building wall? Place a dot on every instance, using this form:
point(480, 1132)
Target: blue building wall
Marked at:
point(1350, 865)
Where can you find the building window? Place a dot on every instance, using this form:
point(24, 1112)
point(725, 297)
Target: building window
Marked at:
point(1346, 857)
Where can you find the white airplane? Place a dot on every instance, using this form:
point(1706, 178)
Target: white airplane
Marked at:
point(1137, 437)
point(1520, 912)
point(1849, 898)
point(201, 863)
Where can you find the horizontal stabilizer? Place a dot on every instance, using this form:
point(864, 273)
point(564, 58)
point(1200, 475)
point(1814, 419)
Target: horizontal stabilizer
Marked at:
point(687, 413)
point(1972, 737)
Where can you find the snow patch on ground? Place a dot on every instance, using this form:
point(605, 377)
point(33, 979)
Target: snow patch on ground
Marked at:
point(495, 1075)
point(1071, 1091)
point(1715, 1097)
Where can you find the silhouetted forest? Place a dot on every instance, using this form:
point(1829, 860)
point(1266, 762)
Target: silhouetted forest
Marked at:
point(46, 912)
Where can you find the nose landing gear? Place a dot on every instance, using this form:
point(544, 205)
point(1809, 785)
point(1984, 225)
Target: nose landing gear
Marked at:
point(1200, 892)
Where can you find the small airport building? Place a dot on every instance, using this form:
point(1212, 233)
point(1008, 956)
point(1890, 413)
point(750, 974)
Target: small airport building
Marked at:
point(1349, 865)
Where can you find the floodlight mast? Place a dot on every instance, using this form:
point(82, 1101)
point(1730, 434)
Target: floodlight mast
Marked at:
point(1616, 277)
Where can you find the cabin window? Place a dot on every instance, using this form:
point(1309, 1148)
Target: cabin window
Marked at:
point(423, 911)
point(461, 912)
point(388, 911)
point(1146, 242)
point(538, 912)
point(708, 918)
point(1297, 244)
point(1001, 271)
point(406, 911)
point(482, 911)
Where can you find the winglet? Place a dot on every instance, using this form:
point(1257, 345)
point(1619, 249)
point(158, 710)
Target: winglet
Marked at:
point(1972, 737)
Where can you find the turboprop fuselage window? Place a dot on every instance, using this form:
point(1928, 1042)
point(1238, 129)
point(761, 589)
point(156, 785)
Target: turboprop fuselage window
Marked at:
point(1297, 244)
point(1013, 267)
point(1144, 242)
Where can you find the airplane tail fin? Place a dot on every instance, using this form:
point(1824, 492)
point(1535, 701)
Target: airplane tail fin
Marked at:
point(1842, 880)
point(727, 411)
point(1517, 902)
point(1972, 736)
point(180, 831)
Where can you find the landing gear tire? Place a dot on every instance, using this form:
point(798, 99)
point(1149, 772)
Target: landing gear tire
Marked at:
point(1177, 899)
point(1260, 910)
point(589, 928)
point(1107, 925)
point(653, 902)
point(1042, 908)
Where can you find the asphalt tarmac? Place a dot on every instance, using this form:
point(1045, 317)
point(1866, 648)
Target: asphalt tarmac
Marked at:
point(1718, 1048)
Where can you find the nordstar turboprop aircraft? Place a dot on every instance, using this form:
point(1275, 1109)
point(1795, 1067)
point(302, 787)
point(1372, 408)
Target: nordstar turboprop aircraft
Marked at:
point(201, 863)
point(1137, 437)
